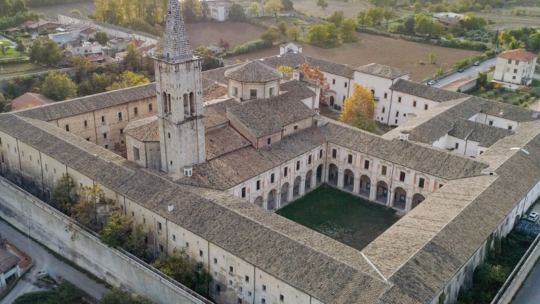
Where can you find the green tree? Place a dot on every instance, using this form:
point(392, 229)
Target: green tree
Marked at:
point(75, 12)
point(133, 58)
point(347, 31)
point(175, 265)
point(363, 18)
point(455, 29)
point(273, 7)
point(488, 8)
point(359, 108)
point(336, 18)
point(58, 86)
point(117, 296)
point(287, 5)
point(482, 79)
point(417, 8)
point(282, 27)
point(236, 13)
point(322, 3)
point(333, 34)
point(92, 207)
point(198, 279)
point(34, 52)
point(117, 231)
point(318, 34)
point(388, 14)
point(3, 49)
point(128, 79)
point(375, 15)
point(272, 34)
point(51, 54)
point(408, 25)
point(63, 196)
point(101, 37)
point(294, 33)
point(80, 62)
point(3, 102)
point(192, 10)
point(425, 25)
point(432, 58)
point(254, 9)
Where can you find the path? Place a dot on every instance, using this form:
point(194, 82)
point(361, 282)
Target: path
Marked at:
point(469, 72)
point(45, 261)
point(529, 292)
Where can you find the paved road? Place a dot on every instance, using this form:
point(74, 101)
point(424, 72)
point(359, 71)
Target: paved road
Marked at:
point(529, 292)
point(46, 262)
point(469, 72)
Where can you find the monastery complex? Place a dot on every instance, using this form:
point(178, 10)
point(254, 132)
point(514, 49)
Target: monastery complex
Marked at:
point(211, 155)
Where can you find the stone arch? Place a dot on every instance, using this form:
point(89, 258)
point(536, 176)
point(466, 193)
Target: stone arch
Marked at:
point(382, 192)
point(333, 172)
point(400, 198)
point(308, 185)
point(192, 103)
point(271, 204)
point(284, 195)
point(365, 186)
point(348, 180)
point(332, 101)
point(319, 173)
point(417, 199)
point(296, 186)
point(259, 201)
point(186, 104)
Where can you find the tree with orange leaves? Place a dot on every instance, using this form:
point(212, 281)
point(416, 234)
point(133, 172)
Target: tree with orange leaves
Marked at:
point(314, 74)
point(359, 108)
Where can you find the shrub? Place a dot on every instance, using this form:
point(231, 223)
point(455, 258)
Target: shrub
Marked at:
point(251, 46)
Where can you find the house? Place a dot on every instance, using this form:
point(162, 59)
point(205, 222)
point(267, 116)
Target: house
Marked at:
point(29, 100)
point(9, 264)
point(64, 37)
point(515, 68)
point(88, 34)
point(84, 48)
point(220, 10)
point(290, 48)
point(43, 25)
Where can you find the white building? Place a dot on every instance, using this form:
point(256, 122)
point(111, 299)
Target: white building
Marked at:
point(62, 38)
point(83, 48)
point(515, 68)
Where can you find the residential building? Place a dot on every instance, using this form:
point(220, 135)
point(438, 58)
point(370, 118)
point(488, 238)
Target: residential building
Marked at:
point(515, 68)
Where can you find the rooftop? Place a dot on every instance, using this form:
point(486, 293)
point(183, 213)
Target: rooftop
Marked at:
point(483, 134)
point(519, 54)
point(382, 71)
point(145, 130)
point(8, 261)
point(424, 91)
point(253, 71)
point(29, 100)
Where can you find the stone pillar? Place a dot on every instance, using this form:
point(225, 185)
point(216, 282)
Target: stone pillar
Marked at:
point(324, 174)
point(356, 185)
point(408, 203)
point(265, 200)
point(277, 200)
point(290, 193)
point(390, 198)
point(302, 189)
point(313, 180)
point(2, 281)
point(373, 192)
point(339, 179)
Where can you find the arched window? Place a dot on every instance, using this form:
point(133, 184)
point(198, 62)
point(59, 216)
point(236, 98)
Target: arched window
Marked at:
point(186, 104)
point(164, 101)
point(192, 103)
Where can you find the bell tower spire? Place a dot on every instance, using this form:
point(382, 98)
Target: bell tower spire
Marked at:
point(175, 42)
point(179, 98)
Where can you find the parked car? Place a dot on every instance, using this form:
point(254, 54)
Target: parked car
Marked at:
point(476, 63)
point(533, 216)
point(461, 70)
point(431, 82)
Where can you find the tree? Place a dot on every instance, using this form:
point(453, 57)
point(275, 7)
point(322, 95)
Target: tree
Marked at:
point(488, 8)
point(363, 18)
point(117, 230)
point(472, 22)
point(333, 35)
point(3, 103)
point(273, 7)
point(254, 9)
point(80, 62)
point(375, 15)
point(198, 279)
point(63, 196)
point(192, 10)
point(347, 31)
point(272, 34)
point(20, 46)
point(482, 79)
point(294, 33)
point(408, 25)
point(359, 108)
point(388, 14)
point(51, 53)
point(432, 58)
point(417, 8)
point(336, 18)
point(92, 207)
point(35, 51)
point(128, 79)
point(455, 29)
point(116, 295)
point(101, 37)
point(318, 34)
point(282, 27)
point(315, 75)
point(236, 13)
point(322, 3)
point(3, 49)
point(75, 12)
point(133, 58)
point(175, 265)
point(426, 25)
point(58, 86)
point(287, 5)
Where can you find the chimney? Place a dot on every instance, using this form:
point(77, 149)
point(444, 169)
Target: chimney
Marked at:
point(404, 135)
point(188, 172)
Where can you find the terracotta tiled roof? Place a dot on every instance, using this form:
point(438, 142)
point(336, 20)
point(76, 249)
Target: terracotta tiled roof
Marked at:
point(8, 261)
point(29, 100)
point(144, 130)
point(88, 31)
point(518, 54)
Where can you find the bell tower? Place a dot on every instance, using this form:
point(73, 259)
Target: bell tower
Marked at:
point(179, 98)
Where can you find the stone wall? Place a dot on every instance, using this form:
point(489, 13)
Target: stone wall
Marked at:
point(48, 227)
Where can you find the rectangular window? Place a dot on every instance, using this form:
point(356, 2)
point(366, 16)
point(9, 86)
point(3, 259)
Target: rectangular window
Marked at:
point(509, 127)
point(383, 170)
point(509, 61)
point(345, 84)
point(120, 116)
point(240, 300)
point(136, 155)
point(333, 81)
point(268, 141)
point(296, 127)
point(201, 253)
point(401, 176)
point(235, 91)
point(272, 178)
point(334, 153)
point(173, 236)
point(215, 261)
point(383, 109)
point(0, 141)
point(85, 123)
point(149, 108)
point(395, 121)
point(133, 213)
point(231, 269)
point(160, 247)
point(385, 95)
point(297, 165)
point(258, 185)
point(399, 99)
point(121, 131)
point(104, 135)
point(102, 118)
point(320, 153)
point(421, 183)
point(515, 70)
point(252, 94)
point(136, 111)
point(309, 160)
point(397, 113)
point(88, 139)
point(271, 93)
point(513, 77)
point(414, 103)
point(247, 279)
point(517, 62)
point(281, 298)
point(264, 287)
point(67, 128)
point(349, 158)
point(366, 164)
point(158, 226)
point(426, 106)
point(244, 192)
point(263, 301)
point(187, 245)
point(218, 289)
point(490, 123)
point(457, 145)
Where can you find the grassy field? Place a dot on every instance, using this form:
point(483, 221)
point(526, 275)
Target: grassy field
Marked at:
point(17, 69)
point(236, 33)
point(52, 11)
point(10, 53)
point(505, 17)
point(377, 49)
point(342, 216)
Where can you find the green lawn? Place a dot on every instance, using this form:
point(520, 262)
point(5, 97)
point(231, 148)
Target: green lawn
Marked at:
point(535, 83)
point(10, 53)
point(341, 216)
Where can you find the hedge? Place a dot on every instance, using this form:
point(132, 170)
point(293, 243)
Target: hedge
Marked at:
point(251, 46)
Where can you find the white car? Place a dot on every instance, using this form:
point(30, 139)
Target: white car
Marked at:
point(431, 82)
point(533, 216)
